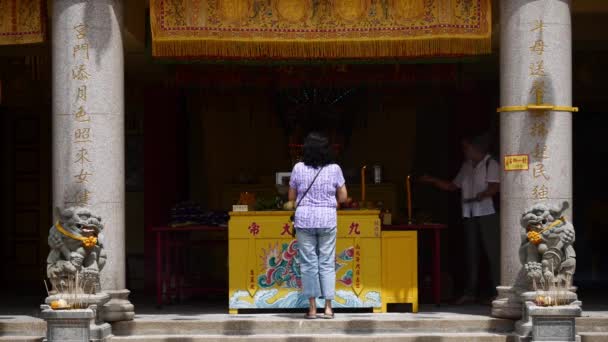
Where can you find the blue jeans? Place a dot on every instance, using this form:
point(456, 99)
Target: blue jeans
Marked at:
point(317, 257)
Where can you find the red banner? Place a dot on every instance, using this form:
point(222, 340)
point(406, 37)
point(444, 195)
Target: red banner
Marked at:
point(22, 21)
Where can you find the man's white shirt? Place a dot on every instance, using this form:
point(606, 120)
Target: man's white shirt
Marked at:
point(473, 179)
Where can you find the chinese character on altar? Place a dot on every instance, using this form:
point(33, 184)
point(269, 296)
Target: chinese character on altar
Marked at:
point(354, 228)
point(286, 229)
point(254, 229)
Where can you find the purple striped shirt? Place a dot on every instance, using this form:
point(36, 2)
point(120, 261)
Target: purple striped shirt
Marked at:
point(318, 208)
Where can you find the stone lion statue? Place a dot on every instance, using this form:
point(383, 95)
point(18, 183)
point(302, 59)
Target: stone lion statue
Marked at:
point(546, 250)
point(76, 248)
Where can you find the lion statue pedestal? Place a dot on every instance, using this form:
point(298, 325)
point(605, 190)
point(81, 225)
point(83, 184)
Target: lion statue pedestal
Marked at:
point(75, 260)
point(543, 290)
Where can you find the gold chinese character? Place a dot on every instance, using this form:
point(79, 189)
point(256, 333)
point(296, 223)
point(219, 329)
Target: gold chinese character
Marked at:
point(80, 73)
point(83, 197)
point(82, 135)
point(82, 176)
point(540, 152)
point(81, 115)
point(537, 69)
point(539, 25)
point(538, 89)
point(540, 114)
point(82, 156)
point(538, 47)
point(540, 192)
point(538, 129)
point(82, 93)
point(81, 31)
point(81, 47)
point(539, 171)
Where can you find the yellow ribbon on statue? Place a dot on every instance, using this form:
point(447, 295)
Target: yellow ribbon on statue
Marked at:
point(536, 237)
point(87, 242)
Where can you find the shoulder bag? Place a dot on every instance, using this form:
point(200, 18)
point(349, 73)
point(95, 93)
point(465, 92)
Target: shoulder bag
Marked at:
point(293, 216)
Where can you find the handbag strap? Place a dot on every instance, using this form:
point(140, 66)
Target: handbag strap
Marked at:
point(310, 186)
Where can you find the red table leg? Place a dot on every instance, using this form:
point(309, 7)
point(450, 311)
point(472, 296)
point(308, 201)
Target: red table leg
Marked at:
point(437, 268)
point(159, 268)
point(168, 258)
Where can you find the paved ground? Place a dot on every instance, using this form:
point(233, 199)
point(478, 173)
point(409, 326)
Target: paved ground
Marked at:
point(146, 308)
point(198, 321)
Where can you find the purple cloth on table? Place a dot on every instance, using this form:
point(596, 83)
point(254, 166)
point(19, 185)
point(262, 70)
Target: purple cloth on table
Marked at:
point(318, 208)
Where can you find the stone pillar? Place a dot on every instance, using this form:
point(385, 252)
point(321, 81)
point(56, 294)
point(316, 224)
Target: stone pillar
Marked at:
point(88, 128)
point(535, 67)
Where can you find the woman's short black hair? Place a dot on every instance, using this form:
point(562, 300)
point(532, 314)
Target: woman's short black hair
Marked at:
point(316, 151)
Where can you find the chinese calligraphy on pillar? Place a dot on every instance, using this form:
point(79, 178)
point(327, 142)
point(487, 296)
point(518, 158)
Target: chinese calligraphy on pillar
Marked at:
point(539, 127)
point(82, 136)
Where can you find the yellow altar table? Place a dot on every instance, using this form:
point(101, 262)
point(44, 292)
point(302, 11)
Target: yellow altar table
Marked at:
point(264, 272)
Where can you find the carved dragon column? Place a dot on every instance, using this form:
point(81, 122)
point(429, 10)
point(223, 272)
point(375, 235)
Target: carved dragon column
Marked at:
point(88, 128)
point(535, 124)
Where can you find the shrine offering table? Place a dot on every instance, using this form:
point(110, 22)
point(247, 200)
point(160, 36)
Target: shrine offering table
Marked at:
point(264, 272)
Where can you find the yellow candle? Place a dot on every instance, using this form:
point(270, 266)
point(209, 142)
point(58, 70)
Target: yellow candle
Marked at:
point(409, 198)
point(363, 183)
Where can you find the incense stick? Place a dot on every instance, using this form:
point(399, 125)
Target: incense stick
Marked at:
point(46, 287)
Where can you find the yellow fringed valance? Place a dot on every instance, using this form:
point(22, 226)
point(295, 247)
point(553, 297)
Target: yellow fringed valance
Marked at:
point(327, 29)
point(22, 21)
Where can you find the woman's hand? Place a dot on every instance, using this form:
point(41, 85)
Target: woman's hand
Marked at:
point(342, 194)
point(292, 195)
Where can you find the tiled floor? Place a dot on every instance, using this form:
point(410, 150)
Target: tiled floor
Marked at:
point(145, 306)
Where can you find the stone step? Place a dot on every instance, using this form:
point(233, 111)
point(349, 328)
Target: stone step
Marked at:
point(446, 337)
point(21, 326)
point(594, 337)
point(376, 337)
point(426, 326)
point(295, 324)
point(592, 324)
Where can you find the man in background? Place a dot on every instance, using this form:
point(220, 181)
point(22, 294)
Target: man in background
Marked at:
point(478, 181)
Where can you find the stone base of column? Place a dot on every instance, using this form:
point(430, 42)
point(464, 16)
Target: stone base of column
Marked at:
point(101, 332)
point(119, 308)
point(508, 303)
